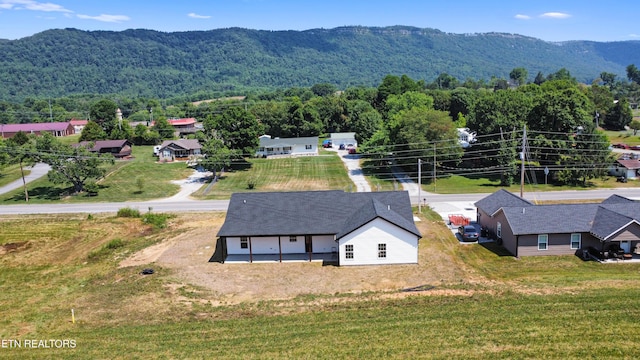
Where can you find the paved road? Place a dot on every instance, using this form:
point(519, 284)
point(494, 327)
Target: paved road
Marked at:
point(38, 170)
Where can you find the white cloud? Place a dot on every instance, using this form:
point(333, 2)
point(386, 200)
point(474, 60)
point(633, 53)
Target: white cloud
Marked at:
point(32, 5)
point(634, 35)
point(555, 15)
point(106, 18)
point(196, 16)
point(522, 17)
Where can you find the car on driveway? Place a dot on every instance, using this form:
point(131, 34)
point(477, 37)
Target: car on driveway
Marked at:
point(468, 233)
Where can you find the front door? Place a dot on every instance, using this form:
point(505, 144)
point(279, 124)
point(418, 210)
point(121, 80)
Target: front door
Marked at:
point(626, 246)
point(308, 244)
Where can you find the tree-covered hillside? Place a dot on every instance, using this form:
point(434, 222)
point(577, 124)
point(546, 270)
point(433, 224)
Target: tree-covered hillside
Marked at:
point(59, 63)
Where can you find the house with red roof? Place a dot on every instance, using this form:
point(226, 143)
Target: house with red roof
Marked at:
point(78, 125)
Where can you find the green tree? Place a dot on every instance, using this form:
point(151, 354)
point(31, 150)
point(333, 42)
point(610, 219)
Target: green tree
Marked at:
point(608, 79)
point(364, 120)
point(539, 78)
point(390, 85)
point(415, 130)
point(519, 75)
point(239, 130)
point(217, 156)
point(92, 132)
point(302, 120)
point(324, 89)
point(633, 74)
point(408, 100)
point(122, 131)
point(619, 116)
point(163, 128)
point(69, 165)
point(103, 112)
point(635, 126)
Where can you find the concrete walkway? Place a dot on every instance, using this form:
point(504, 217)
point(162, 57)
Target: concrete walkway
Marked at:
point(37, 171)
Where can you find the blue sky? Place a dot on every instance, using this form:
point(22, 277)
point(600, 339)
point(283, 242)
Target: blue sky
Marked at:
point(558, 20)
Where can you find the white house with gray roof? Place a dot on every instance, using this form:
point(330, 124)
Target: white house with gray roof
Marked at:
point(287, 146)
point(527, 229)
point(372, 228)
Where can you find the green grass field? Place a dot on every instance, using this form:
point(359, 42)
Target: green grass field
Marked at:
point(11, 173)
point(500, 307)
point(324, 172)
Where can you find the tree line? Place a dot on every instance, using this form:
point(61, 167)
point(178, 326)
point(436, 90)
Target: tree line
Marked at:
point(400, 120)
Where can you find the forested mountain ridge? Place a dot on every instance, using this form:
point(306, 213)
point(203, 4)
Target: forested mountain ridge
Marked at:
point(149, 63)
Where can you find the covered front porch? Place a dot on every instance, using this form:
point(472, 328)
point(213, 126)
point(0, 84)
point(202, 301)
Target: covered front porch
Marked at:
point(325, 258)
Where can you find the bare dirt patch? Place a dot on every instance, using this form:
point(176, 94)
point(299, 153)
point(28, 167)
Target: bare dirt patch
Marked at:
point(188, 254)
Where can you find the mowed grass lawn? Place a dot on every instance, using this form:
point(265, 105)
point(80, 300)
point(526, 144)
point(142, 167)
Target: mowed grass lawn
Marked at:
point(140, 178)
point(501, 307)
point(323, 172)
point(11, 173)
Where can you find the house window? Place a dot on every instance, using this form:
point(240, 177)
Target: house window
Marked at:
point(293, 238)
point(499, 231)
point(308, 147)
point(348, 251)
point(261, 149)
point(287, 148)
point(244, 242)
point(269, 149)
point(543, 242)
point(576, 241)
point(382, 251)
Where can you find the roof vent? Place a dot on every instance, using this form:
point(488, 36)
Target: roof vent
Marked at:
point(388, 207)
point(244, 201)
point(523, 210)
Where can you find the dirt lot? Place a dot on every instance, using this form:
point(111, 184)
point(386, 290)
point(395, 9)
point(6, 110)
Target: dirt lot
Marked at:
point(188, 254)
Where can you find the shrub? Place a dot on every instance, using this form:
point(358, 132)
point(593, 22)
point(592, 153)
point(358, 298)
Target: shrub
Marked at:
point(157, 221)
point(128, 212)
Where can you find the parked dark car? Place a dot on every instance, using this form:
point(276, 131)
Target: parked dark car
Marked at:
point(341, 147)
point(327, 144)
point(351, 150)
point(468, 233)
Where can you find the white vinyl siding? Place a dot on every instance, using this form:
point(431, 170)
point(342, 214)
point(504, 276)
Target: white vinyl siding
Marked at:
point(348, 252)
point(401, 246)
point(576, 241)
point(543, 242)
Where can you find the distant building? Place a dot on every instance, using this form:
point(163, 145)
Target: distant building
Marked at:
point(466, 137)
point(287, 146)
point(54, 128)
point(344, 139)
point(78, 125)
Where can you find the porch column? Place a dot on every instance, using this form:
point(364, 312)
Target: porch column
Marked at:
point(250, 252)
point(280, 247)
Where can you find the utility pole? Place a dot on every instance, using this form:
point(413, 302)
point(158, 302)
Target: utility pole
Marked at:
point(434, 167)
point(522, 159)
point(419, 185)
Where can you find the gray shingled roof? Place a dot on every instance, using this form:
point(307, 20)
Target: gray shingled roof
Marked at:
point(549, 219)
point(313, 212)
point(500, 199)
point(186, 144)
point(601, 219)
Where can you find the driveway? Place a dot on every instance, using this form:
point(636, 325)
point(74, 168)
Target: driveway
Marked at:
point(37, 171)
point(352, 163)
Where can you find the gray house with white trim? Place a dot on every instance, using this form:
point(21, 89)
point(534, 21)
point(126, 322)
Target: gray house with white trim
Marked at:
point(371, 228)
point(527, 229)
